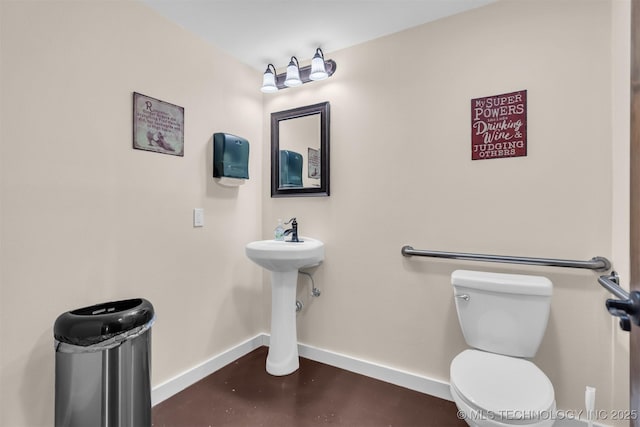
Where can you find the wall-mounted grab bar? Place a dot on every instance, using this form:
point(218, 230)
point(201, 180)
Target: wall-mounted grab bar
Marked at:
point(611, 284)
point(596, 263)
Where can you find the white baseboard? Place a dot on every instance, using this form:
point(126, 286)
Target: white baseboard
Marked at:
point(570, 419)
point(398, 377)
point(181, 381)
point(384, 373)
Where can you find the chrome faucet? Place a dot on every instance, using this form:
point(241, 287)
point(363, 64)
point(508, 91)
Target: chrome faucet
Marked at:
point(293, 230)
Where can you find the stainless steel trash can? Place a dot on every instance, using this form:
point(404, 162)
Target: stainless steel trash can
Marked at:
point(103, 365)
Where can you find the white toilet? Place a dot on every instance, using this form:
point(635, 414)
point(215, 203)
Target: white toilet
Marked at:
point(503, 317)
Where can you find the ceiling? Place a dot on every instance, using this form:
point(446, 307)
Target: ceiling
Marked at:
point(258, 32)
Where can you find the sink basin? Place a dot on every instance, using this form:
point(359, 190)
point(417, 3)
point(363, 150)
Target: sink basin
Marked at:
point(286, 256)
point(283, 259)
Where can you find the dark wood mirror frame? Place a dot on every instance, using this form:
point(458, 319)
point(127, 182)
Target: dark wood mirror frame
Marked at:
point(323, 190)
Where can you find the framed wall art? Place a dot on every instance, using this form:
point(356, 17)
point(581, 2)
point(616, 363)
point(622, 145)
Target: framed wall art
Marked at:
point(499, 126)
point(313, 162)
point(157, 125)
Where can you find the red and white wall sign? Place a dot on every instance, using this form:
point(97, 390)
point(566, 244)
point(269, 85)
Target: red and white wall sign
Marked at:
point(499, 126)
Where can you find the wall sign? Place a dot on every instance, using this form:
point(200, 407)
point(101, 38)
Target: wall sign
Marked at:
point(157, 125)
point(499, 126)
point(313, 157)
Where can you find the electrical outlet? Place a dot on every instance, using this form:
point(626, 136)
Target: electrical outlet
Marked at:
point(198, 217)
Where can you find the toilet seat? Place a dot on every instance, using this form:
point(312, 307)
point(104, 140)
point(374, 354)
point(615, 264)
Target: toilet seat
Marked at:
point(507, 389)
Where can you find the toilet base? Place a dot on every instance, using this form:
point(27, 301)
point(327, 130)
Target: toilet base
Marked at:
point(475, 418)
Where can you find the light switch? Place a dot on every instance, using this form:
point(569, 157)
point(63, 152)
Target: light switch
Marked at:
point(198, 217)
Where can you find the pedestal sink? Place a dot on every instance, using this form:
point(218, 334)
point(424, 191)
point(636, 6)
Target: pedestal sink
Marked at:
point(284, 259)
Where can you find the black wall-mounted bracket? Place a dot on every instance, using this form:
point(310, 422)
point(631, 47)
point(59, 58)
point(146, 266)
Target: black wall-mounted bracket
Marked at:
point(626, 307)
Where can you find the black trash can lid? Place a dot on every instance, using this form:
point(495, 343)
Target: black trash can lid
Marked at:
point(91, 325)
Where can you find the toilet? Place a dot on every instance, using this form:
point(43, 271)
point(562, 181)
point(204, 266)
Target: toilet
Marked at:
point(503, 317)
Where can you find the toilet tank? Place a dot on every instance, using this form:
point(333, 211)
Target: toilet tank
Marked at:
point(502, 313)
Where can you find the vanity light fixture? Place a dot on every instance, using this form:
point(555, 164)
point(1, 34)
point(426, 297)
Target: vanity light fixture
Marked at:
point(319, 69)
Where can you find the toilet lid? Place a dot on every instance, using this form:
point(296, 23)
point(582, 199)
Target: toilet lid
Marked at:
point(497, 383)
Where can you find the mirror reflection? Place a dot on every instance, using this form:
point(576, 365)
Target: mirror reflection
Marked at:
point(299, 151)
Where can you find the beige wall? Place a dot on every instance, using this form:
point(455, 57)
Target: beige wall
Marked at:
point(401, 174)
point(621, 64)
point(85, 218)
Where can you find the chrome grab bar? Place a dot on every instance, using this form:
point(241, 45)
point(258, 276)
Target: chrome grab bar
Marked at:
point(611, 283)
point(596, 263)
point(626, 307)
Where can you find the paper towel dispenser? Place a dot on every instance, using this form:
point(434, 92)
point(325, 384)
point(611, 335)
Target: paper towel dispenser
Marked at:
point(290, 169)
point(230, 156)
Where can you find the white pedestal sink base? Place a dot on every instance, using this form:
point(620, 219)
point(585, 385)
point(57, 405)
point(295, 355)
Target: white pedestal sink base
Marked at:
point(283, 259)
point(283, 345)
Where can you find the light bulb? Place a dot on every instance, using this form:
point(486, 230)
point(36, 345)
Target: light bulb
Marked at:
point(293, 74)
point(269, 81)
point(318, 70)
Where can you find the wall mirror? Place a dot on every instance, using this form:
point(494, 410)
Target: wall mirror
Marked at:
point(300, 151)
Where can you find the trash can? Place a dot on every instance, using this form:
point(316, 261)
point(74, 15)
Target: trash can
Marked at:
point(103, 365)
